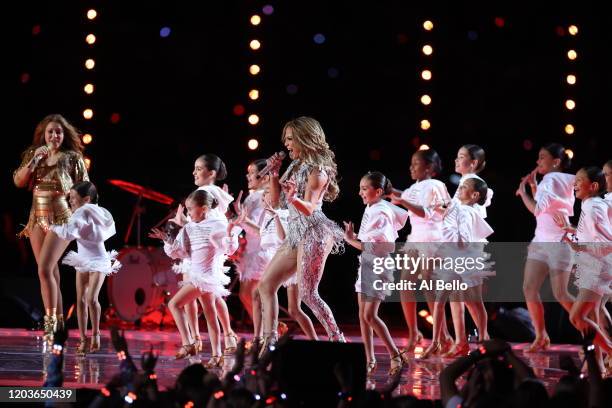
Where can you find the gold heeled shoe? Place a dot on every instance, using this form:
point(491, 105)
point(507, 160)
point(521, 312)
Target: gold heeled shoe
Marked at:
point(370, 368)
point(186, 350)
point(541, 344)
point(269, 340)
point(95, 343)
point(458, 350)
point(398, 358)
point(49, 327)
point(433, 349)
point(198, 344)
point(81, 349)
point(231, 343)
point(214, 362)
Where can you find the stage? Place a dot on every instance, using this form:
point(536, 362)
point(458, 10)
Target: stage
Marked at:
point(22, 362)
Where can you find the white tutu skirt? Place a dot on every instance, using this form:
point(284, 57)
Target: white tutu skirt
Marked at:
point(593, 273)
point(208, 282)
point(104, 264)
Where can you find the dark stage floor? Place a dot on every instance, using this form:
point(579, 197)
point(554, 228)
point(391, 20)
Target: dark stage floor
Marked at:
point(22, 362)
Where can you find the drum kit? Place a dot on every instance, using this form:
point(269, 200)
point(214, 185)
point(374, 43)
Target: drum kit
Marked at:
point(146, 280)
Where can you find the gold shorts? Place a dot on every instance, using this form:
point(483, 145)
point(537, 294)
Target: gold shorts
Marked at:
point(47, 209)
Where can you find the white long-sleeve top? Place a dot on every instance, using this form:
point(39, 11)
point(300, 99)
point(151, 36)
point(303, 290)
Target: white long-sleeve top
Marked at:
point(253, 205)
point(481, 208)
point(595, 225)
point(554, 195)
point(381, 222)
point(464, 223)
point(427, 194)
point(608, 197)
point(90, 225)
point(268, 232)
point(206, 244)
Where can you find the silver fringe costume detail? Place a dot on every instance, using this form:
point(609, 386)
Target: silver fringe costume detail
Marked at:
point(311, 236)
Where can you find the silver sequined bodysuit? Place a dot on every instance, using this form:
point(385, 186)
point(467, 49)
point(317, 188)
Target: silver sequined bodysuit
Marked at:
point(311, 235)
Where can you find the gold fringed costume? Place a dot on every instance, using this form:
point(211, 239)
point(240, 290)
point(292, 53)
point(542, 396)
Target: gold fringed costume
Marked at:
point(50, 186)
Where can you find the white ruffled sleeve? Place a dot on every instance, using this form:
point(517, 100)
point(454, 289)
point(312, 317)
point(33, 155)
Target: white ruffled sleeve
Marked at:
point(226, 244)
point(72, 229)
point(432, 197)
point(179, 248)
point(602, 236)
point(550, 198)
point(379, 236)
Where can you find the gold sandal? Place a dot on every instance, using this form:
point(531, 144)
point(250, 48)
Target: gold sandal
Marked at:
point(370, 368)
point(230, 347)
point(214, 362)
point(398, 368)
point(186, 350)
point(433, 349)
point(269, 340)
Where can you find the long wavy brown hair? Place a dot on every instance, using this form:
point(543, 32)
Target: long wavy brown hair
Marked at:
point(72, 137)
point(309, 136)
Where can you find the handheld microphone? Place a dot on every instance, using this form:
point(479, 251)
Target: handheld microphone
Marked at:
point(39, 157)
point(268, 167)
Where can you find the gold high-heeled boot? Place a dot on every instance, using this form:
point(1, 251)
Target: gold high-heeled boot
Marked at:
point(49, 327)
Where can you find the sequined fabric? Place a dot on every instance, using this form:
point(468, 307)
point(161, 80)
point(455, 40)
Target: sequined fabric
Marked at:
point(314, 236)
point(316, 228)
point(50, 186)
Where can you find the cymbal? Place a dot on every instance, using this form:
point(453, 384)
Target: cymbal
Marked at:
point(142, 191)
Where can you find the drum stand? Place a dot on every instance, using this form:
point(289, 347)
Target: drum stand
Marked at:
point(136, 213)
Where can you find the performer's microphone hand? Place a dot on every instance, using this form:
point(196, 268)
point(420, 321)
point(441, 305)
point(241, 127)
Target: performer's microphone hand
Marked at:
point(274, 163)
point(42, 152)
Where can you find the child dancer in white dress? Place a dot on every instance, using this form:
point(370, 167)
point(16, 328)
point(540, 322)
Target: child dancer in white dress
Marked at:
point(464, 225)
point(422, 199)
point(207, 170)
point(252, 263)
point(593, 252)
point(90, 225)
point(553, 196)
point(205, 240)
point(377, 234)
point(469, 163)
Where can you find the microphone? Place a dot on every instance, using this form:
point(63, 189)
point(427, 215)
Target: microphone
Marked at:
point(38, 158)
point(268, 167)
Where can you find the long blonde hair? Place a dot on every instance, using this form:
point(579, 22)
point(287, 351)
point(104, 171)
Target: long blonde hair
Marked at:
point(309, 136)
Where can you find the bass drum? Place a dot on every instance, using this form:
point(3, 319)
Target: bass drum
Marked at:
point(143, 283)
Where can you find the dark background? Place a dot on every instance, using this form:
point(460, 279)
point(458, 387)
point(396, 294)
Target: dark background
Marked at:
point(500, 87)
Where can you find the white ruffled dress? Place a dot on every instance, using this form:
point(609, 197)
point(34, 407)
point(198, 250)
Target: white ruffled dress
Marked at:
point(464, 232)
point(206, 245)
point(378, 232)
point(594, 231)
point(90, 225)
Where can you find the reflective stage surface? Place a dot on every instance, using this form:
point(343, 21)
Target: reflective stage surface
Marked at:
point(22, 361)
